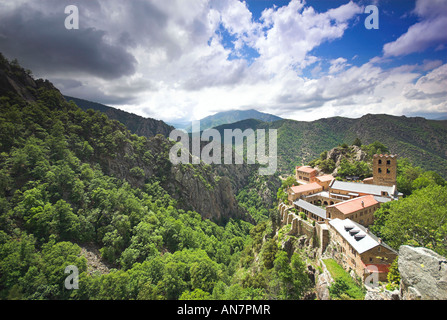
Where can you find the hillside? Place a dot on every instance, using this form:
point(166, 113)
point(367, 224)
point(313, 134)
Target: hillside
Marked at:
point(136, 124)
point(79, 189)
point(232, 116)
point(420, 140)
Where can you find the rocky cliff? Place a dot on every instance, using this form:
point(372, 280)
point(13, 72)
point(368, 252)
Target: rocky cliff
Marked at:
point(423, 274)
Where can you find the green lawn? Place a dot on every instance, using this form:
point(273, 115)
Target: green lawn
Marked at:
point(352, 290)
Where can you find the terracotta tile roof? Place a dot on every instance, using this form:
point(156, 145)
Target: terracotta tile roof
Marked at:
point(306, 169)
point(355, 204)
point(380, 268)
point(306, 187)
point(326, 177)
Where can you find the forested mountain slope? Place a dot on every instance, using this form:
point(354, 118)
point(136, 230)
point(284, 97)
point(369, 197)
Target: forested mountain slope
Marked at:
point(136, 124)
point(69, 178)
point(78, 189)
point(422, 141)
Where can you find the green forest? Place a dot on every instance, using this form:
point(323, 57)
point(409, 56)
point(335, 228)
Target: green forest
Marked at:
point(57, 197)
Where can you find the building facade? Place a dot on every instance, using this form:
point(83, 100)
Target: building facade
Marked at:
point(305, 174)
point(359, 250)
point(296, 192)
point(360, 210)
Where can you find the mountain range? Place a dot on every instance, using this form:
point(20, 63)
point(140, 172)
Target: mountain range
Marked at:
point(421, 140)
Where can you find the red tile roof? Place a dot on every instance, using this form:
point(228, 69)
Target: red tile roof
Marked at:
point(380, 268)
point(326, 177)
point(355, 204)
point(306, 169)
point(306, 187)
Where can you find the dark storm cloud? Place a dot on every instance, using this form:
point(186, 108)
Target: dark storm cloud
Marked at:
point(40, 41)
point(89, 92)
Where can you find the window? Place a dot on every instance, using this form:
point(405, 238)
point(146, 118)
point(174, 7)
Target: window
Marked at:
point(370, 259)
point(388, 171)
point(380, 170)
point(388, 162)
point(380, 161)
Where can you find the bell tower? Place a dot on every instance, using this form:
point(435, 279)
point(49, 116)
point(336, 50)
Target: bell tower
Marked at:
point(385, 169)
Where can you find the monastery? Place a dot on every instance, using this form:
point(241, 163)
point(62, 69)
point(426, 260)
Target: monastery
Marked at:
point(341, 212)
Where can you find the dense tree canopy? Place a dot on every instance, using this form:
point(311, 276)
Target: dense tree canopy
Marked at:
point(419, 219)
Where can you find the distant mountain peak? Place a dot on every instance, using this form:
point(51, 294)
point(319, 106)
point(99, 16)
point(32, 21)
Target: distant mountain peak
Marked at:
point(232, 116)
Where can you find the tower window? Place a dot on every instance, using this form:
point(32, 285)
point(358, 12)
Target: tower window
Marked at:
point(388, 162)
point(380, 161)
point(380, 170)
point(388, 171)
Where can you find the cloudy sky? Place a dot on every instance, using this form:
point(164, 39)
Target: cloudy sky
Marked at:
point(186, 59)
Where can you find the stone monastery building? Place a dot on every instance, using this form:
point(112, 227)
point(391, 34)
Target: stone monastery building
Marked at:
point(341, 211)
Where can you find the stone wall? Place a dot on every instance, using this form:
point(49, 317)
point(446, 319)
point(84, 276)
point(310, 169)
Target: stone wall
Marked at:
point(322, 231)
point(304, 227)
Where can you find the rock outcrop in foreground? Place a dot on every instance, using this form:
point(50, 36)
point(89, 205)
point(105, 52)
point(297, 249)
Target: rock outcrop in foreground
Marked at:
point(423, 274)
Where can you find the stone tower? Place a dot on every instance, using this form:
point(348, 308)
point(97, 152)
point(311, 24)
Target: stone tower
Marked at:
point(385, 169)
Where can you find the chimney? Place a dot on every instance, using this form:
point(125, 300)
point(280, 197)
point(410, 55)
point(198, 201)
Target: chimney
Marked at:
point(363, 204)
point(380, 240)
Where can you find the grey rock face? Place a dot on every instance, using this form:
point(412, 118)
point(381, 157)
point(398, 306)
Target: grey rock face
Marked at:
point(423, 274)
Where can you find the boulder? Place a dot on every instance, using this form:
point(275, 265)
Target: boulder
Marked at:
point(423, 274)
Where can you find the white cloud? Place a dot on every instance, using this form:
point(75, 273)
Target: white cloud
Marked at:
point(338, 65)
point(184, 69)
point(430, 31)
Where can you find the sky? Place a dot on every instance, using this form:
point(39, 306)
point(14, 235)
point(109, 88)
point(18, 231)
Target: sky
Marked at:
point(179, 60)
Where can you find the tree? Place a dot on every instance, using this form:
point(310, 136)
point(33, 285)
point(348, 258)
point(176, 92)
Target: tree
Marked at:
point(357, 142)
point(426, 179)
point(406, 175)
point(204, 275)
point(66, 222)
point(292, 276)
point(270, 249)
point(357, 168)
point(339, 288)
point(419, 219)
point(393, 275)
point(197, 294)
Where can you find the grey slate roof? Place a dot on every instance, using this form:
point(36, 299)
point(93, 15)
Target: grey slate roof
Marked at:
point(364, 244)
point(373, 189)
point(311, 208)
